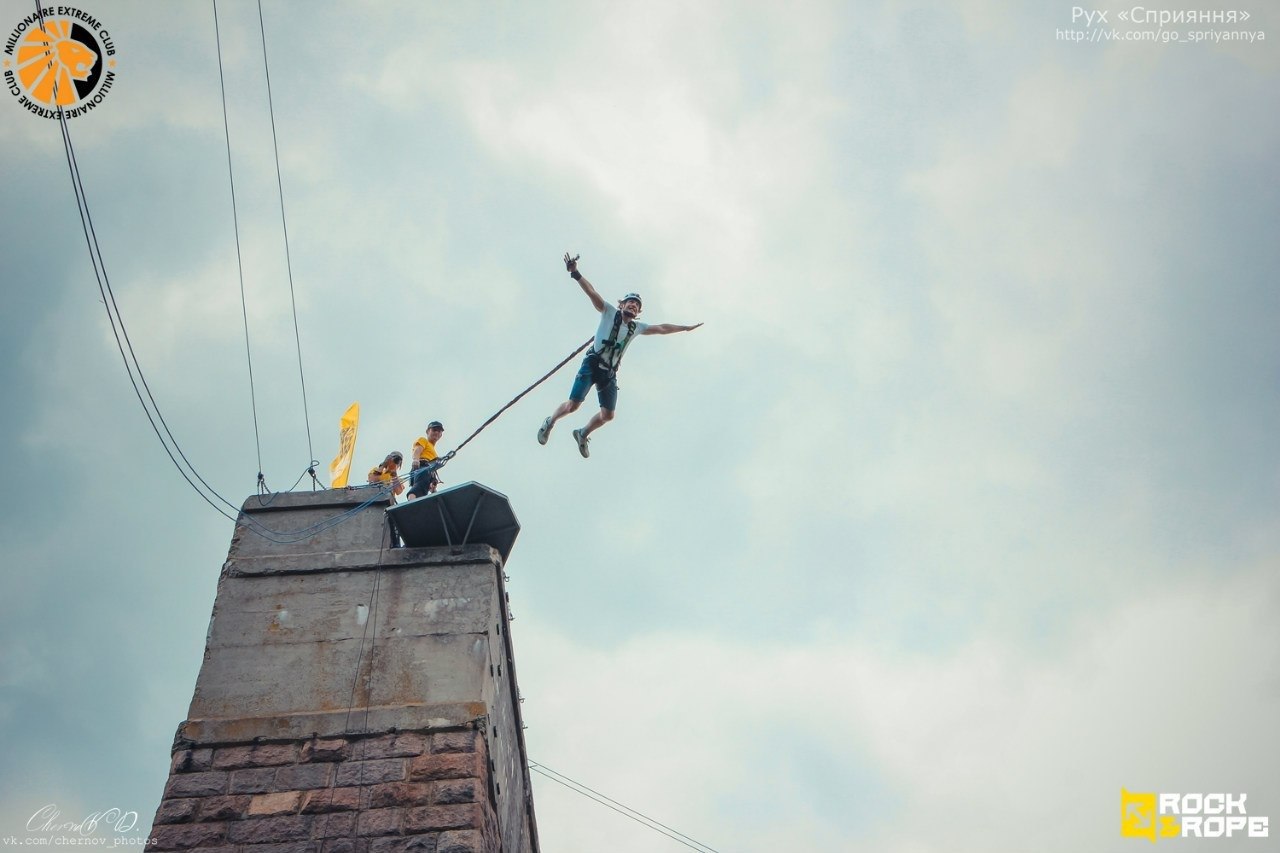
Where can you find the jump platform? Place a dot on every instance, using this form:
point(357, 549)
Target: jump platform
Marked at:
point(465, 514)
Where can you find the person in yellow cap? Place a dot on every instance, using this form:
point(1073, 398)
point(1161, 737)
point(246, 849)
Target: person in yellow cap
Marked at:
point(388, 473)
point(618, 328)
point(424, 480)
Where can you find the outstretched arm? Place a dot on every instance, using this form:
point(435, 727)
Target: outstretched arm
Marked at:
point(571, 264)
point(668, 328)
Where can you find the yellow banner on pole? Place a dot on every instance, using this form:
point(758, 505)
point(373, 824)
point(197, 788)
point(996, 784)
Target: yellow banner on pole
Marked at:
point(340, 467)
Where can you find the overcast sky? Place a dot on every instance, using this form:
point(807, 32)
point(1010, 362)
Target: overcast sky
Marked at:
point(957, 516)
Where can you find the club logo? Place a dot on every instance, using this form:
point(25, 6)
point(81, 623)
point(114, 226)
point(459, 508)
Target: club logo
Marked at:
point(61, 57)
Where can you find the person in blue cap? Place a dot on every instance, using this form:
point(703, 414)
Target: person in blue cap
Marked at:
point(618, 328)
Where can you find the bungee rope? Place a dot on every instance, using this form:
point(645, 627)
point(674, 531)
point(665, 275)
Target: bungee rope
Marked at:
point(383, 490)
point(437, 464)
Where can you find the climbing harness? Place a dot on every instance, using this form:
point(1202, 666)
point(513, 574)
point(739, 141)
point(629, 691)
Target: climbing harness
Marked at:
point(609, 357)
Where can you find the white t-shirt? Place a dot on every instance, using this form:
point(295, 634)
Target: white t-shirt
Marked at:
point(624, 337)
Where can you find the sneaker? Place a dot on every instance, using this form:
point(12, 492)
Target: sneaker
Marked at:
point(582, 440)
point(545, 430)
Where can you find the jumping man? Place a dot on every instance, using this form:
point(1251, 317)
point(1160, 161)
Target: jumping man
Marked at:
point(617, 328)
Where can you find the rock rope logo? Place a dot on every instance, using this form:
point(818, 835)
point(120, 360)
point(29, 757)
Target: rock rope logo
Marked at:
point(1218, 815)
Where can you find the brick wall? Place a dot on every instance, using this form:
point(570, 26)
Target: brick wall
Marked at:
point(398, 792)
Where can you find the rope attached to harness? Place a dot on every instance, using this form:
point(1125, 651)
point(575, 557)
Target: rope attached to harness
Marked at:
point(443, 460)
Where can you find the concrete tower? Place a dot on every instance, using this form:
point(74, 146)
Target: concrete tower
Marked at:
point(354, 697)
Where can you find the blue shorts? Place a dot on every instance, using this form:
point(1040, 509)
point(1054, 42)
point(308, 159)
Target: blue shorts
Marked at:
point(420, 481)
point(606, 391)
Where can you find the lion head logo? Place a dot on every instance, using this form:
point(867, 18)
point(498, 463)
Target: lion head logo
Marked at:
point(52, 58)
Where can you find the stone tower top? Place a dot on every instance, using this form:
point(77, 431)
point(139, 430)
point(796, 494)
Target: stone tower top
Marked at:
point(355, 697)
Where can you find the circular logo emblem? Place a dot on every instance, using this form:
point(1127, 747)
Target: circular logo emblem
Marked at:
point(66, 62)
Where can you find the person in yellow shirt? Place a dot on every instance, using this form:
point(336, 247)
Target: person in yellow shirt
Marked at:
point(388, 473)
point(424, 480)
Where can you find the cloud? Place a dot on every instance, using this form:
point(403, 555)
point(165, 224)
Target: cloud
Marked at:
point(984, 747)
point(653, 124)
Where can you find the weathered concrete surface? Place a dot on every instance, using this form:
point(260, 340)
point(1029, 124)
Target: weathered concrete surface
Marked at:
point(283, 645)
point(338, 636)
point(327, 522)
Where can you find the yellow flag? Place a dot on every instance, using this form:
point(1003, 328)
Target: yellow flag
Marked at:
point(340, 467)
